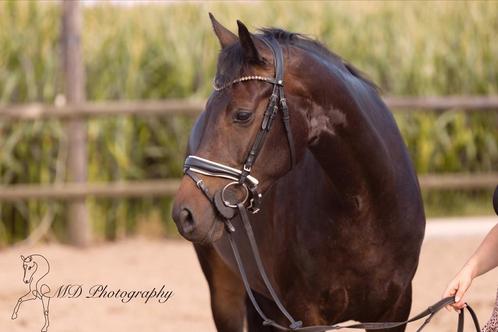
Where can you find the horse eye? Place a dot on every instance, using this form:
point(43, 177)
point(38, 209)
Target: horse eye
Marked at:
point(29, 268)
point(242, 116)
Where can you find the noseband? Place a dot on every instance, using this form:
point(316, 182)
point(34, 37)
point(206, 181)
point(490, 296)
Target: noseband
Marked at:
point(251, 201)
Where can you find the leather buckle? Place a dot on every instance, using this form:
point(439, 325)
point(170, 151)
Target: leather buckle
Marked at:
point(254, 202)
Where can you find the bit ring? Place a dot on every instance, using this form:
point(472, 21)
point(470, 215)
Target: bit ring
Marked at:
point(227, 202)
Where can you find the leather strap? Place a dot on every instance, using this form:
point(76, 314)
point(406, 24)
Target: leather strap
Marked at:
point(279, 78)
point(287, 127)
point(199, 183)
point(428, 313)
point(259, 263)
point(211, 168)
point(461, 318)
point(272, 108)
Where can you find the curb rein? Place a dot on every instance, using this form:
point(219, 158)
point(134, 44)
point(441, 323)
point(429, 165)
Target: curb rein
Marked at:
point(252, 200)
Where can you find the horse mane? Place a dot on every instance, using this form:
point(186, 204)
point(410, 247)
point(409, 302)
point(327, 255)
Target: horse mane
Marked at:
point(232, 56)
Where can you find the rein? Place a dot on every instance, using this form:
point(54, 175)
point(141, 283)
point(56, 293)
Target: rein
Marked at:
point(227, 207)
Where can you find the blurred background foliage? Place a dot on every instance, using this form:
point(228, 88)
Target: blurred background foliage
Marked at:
point(169, 51)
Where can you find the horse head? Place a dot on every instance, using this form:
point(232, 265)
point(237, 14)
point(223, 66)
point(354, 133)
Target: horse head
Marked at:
point(35, 267)
point(234, 116)
point(29, 266)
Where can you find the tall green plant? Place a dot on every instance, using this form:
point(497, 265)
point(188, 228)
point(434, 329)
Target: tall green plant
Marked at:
point(153, 52)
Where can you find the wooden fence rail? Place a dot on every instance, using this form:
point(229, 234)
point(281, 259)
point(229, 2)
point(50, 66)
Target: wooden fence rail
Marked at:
point(167, 187)
point(463, 103)
point(193, 107)
point(169, 107)
point(459, 181)
point(71, 191)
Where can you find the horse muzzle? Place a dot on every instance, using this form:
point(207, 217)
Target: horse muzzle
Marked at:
point(195, 217)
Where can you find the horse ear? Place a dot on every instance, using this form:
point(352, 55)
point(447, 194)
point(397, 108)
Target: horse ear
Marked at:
point(22, 258)
point(225, 36)
point(247, 42)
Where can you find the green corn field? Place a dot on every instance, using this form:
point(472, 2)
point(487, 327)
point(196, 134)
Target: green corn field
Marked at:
point(169, 51)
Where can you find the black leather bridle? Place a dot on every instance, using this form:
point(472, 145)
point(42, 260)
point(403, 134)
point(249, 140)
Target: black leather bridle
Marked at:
point(194, 164)
point(251, 201)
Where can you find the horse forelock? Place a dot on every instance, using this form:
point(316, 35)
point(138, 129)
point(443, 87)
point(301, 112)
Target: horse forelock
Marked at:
point(230, 62)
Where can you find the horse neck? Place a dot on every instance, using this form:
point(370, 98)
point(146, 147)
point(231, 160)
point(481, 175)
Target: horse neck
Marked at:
point(41, 271)
point(354, 132)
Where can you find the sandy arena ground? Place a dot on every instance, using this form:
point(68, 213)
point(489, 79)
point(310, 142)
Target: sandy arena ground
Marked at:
point(144, 264)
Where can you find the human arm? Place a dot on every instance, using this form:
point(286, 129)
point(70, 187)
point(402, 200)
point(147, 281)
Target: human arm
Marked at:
point(484, 259)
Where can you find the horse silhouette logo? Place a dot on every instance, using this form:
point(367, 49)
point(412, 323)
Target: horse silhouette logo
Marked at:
point(35, 267)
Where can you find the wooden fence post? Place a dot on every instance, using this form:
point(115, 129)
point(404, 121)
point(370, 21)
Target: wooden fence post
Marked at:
point(76, 130)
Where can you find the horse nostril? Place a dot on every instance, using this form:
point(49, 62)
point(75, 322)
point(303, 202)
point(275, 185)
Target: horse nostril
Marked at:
point(186, 221)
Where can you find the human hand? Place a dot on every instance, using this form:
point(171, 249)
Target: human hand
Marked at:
point(459, 286)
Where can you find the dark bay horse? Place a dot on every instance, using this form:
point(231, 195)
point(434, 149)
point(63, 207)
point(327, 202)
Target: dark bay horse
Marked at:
point(340, 231)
